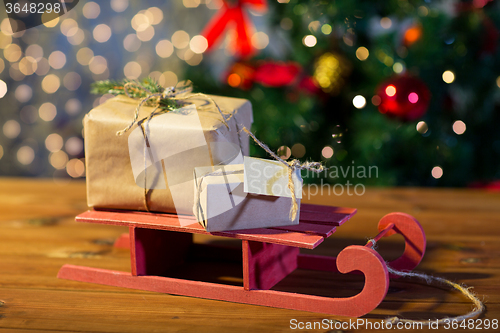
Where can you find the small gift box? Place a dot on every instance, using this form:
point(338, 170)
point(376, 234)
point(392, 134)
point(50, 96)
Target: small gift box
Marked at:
point(150, 166)
point(255, 194)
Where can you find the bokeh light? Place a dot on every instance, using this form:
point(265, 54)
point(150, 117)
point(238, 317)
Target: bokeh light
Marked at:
point(437, 172)
point(327, 152)
point(72, 81)
point(91, 10)
point(326, 29)
point(11, 129)
point(164, 48)
point(180, 39)
point(413, 98)
point(23, 93)
point(74, 146)
point(362, 53)
point(390, 91)
point(260, 40)
point(75, 168)
point(131, 43)
point(12, 52)
point(422, 127)
point(25, 155)
point(359, 102)
point(298, 150)
point(54, 142)
point(3, 88)
point(448, 76)
point(73, 106)
point(84, 55)
point(51, 83)
point(284, 152)
point(58, 159)
point(119, 6)
point(459, 127)
point(98, 65)
point(198, 44)
point(386, 22)
point(309, 40)
point(397, 67)
point(132, 70)
point(102, 33)
point(47, 111)
point(57, 60)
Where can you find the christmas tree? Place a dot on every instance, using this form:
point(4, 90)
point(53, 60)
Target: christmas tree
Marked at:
point(411, 87)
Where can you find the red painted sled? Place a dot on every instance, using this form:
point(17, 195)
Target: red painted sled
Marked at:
point(158, 243)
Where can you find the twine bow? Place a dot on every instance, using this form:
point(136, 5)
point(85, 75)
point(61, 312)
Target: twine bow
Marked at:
point(178, 93)
point(292, 166)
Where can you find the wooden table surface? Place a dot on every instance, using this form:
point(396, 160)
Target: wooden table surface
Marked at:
point(38, 235)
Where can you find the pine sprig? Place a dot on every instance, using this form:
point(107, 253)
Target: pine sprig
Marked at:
point(137, 90)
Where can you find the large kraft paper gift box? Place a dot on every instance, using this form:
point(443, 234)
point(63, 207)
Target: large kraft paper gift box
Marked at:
point(128, 172)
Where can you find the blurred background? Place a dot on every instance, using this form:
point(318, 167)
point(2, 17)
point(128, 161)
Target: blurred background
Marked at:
point(411, 87)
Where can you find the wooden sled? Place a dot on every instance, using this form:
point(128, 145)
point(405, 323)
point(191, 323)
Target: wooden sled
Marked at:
point(158, 243)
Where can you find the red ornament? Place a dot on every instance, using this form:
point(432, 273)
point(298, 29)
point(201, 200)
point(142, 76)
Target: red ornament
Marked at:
point(277, 74)
point(404, 97)
point(232, 13)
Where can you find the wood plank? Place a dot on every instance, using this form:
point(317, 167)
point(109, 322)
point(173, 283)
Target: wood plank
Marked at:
point(310, 228)
point(38, 235)
point(170, 222)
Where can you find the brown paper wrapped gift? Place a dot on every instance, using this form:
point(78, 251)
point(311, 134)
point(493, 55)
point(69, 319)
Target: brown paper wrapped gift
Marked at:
point(130, 172)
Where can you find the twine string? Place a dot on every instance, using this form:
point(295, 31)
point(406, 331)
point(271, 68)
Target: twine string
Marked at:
point(175, 93)
point(429, 279)
point(292, 166)
point(200, 216)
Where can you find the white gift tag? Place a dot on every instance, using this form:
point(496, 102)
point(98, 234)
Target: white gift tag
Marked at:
point(269, 177)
